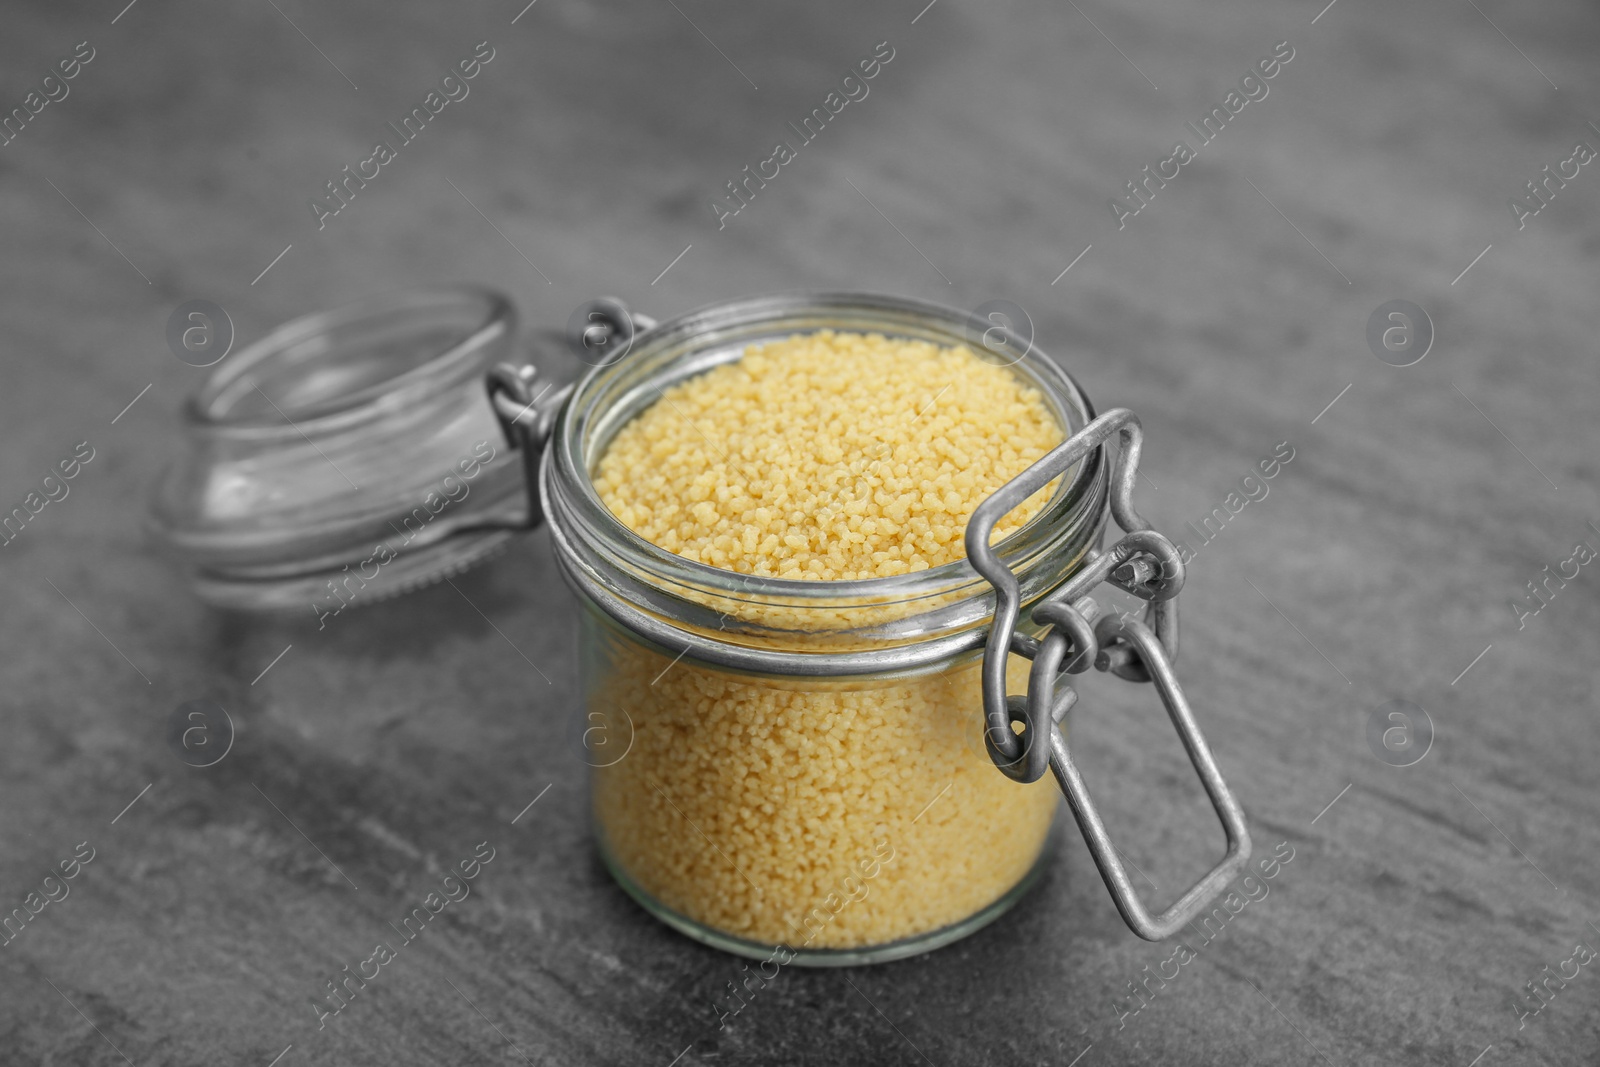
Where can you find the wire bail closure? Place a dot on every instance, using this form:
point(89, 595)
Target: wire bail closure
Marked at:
point(1145, 564)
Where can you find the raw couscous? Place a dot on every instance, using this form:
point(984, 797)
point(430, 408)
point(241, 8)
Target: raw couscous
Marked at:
point(818, 814)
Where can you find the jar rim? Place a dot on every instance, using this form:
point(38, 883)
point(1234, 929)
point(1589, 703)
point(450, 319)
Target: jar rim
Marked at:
point(486, 320)
point(598, 551)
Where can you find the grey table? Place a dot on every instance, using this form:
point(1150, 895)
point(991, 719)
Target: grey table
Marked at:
point(1230, 312)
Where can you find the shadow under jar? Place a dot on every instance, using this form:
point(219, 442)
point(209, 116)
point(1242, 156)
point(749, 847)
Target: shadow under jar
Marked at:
point(817, 772)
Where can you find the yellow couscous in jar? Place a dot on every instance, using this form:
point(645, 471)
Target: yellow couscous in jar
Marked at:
point(824, 814)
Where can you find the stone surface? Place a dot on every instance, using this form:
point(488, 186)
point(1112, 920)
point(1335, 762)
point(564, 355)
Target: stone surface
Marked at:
point(377, 752)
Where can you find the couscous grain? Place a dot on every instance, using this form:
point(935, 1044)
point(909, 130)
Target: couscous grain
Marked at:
point(817, 814)
point(827, 456)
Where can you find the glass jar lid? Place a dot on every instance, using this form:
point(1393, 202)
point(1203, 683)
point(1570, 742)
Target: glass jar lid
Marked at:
point(358, 441)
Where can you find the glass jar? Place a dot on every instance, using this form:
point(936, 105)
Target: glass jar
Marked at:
point(807, 763)
point(835, 772)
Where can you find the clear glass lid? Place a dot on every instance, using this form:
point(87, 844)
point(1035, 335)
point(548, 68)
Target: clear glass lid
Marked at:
point(358, 441)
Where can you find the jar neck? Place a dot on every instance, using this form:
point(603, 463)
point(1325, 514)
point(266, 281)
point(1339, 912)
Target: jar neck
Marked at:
point(764, 625)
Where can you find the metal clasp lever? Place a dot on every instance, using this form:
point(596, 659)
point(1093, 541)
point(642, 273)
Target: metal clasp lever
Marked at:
point(1145, 564)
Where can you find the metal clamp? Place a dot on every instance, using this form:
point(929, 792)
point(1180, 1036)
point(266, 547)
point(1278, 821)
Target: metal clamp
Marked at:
point(1145, 564)
point(526, 422)
point(527, 427)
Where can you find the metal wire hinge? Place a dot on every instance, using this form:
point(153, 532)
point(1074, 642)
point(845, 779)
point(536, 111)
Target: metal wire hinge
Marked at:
point(526, 424)
point(527, 414)
point(1144, 564)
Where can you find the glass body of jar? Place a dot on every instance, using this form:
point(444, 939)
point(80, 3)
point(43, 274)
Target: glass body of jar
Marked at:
point(798, 769)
